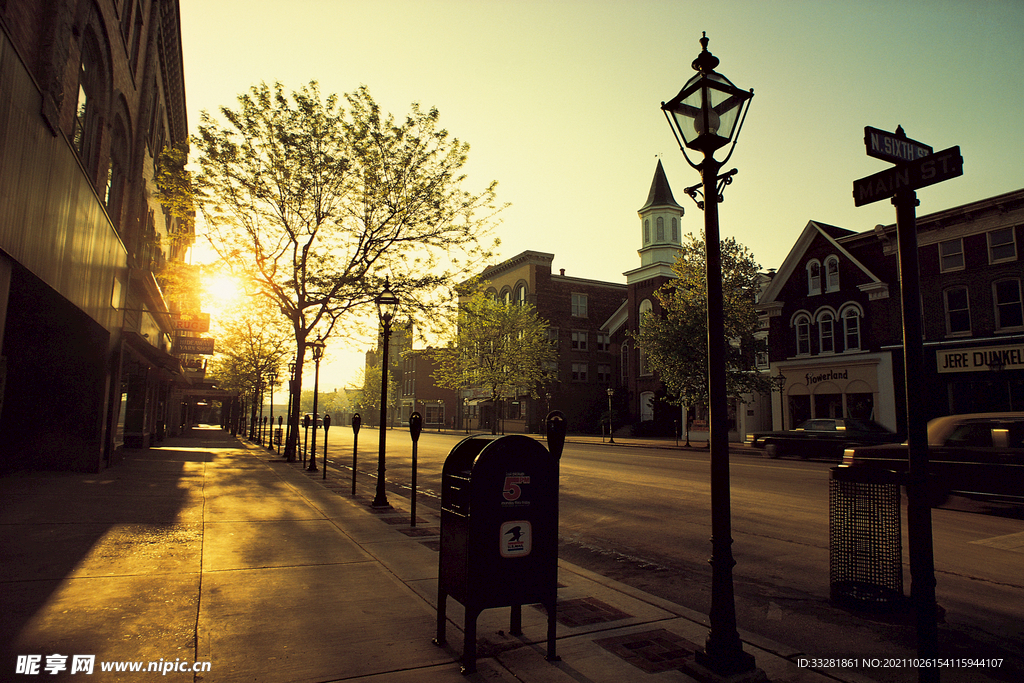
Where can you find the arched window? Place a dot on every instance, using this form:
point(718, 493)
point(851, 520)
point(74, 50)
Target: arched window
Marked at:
point(647, 231)
point(826, 332)
point(851, 328)
point(802, 325)
point(117, 171)
point(91, 89)
point(675, 229)
point(624, 362)
point(661, 229)
point(813, 277)
point(520, 296)
point(832, 274)
point(645, 307)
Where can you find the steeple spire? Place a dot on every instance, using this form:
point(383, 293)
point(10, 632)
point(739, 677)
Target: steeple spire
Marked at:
point(661, 193)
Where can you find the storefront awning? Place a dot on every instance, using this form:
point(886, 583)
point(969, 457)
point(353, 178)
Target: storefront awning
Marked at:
point(158, 358)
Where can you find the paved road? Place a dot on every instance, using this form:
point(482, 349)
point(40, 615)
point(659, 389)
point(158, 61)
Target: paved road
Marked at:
point(641, 516)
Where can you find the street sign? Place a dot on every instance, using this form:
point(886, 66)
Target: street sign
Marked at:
point(892, 147)
point(912, 175)
point(203, 345)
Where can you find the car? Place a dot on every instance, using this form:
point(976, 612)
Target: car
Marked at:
point(977, 455)
point(822, 437)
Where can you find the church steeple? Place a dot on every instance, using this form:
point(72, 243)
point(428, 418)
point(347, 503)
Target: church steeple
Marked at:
point(661, 193)
point(659, 222)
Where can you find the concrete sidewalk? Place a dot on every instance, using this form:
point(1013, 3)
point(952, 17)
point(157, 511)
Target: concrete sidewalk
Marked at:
point(212, 550)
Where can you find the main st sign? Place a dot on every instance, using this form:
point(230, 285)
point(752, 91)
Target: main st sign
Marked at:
point(910, 175)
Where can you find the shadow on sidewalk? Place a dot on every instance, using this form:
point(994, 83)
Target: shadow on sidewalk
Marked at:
point(83, 552)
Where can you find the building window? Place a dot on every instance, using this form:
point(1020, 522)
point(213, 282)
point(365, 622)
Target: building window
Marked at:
point(832, 273)
point(604, 373)
point(520, 297)
point(579, 372)
point(553, 336)
point(603, 341)
point(661, 229)
point(579, 341)
point(1009, 312)
point(646, 307)
point(675, 230)
point(851, 328)
point(813, 278)
point(951, 255)
point(803, 335)
point(826, 332)
point(958, 311)
point(579, 305)
point(647, 231)
point(1002, 246)
point(624, 362)
point(82, 135)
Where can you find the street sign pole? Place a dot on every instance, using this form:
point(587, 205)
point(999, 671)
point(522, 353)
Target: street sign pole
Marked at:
point(919, 513)
point(915, 167)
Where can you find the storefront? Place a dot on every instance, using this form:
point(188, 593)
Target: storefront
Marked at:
point(859, 386)
point(981, 378)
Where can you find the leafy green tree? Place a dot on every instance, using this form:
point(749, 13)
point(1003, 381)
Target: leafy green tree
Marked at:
point(318, 202)
point(500, 347)
point(675, 343)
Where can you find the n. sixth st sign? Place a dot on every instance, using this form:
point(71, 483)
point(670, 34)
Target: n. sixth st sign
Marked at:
point(911, 175)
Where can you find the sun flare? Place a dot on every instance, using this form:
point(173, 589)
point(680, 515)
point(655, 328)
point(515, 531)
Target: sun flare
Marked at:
point(222, 291)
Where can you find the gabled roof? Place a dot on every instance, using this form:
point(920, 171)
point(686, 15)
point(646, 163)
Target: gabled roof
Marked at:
point(796, 257)
point(661, 193)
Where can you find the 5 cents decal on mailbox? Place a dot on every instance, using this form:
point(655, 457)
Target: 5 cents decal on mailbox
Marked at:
point(513, 488)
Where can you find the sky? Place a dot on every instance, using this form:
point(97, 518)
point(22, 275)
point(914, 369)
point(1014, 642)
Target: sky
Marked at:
point(560, 103)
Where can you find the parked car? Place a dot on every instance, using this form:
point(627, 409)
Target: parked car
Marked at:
point(822, 437)
point(978, 454)
point(318, 422)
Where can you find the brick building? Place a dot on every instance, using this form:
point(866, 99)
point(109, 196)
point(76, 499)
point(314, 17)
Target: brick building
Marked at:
point(575, 309)
point(834, 324)
point(92, 91)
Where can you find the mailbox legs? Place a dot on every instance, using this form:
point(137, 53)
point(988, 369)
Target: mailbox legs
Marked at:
point(469, 629)
point(442, 616)
point(552, 610)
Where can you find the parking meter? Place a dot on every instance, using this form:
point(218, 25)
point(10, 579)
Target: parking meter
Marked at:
point(415, 427)
point(327, 425)
point(357, 420)
point(305, 437)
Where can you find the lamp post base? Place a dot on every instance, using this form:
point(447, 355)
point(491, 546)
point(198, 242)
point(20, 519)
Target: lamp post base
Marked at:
point(738, 668)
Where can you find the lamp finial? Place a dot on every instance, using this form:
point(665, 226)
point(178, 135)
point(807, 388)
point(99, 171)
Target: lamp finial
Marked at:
point(705, 62)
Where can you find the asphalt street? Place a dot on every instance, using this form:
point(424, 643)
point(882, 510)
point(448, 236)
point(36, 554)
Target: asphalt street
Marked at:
point(641, 515)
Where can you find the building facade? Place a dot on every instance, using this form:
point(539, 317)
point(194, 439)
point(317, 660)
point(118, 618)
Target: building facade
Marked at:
point(835, 329)
point(92, 91)
point(575, 310)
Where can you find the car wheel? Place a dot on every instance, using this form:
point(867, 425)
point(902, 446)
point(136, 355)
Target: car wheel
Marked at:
point(771, 449)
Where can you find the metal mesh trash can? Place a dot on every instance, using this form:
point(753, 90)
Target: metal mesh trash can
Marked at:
point(865, 544)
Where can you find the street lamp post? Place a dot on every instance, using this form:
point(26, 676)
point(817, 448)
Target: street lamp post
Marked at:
point(289, 450)
point(611, 437)
point(387, 307)
point(317, 347)
point(272, 380)
point(705, 116)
